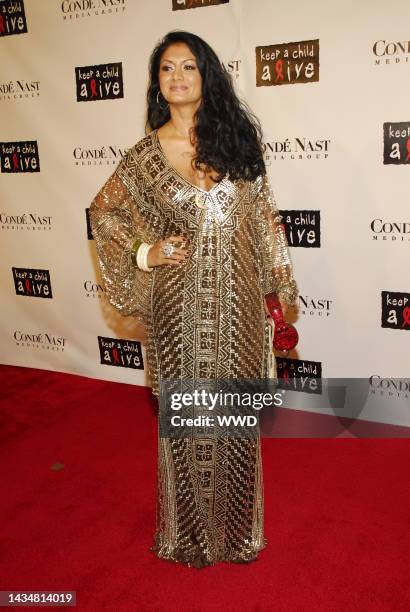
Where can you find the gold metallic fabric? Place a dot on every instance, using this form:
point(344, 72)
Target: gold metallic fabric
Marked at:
point(205, 319)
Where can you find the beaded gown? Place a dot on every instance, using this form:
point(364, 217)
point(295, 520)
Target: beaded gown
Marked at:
point(205, 319)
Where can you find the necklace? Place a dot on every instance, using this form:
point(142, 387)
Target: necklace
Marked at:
point(200, 201)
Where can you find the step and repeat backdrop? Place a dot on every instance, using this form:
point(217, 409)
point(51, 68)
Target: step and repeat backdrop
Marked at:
point(330, 84)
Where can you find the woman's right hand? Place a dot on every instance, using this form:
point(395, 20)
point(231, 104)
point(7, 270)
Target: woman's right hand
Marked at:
point(156, 256)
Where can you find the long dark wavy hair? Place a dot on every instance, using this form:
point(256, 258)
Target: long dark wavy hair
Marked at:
point(228, 134)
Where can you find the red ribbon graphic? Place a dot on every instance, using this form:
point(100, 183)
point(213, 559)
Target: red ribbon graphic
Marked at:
point(15, 162)
point(286, 376)
point(116, 356)
point(2, 28)
point(28, 286)
point(278, 70)
point(408, 149)
point(93, 85)
point(406, 316)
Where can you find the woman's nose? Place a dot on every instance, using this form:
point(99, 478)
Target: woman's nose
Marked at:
point(177, 74)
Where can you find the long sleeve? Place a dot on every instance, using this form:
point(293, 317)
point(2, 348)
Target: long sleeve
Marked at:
point(118, 215)
point(276, 264)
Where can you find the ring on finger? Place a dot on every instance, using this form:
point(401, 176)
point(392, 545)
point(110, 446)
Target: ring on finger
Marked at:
point(168, 249)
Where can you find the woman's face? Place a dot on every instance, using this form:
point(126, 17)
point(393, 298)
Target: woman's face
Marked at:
point(179, 78)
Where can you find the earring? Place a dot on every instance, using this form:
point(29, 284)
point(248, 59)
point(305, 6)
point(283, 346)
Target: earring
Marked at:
point(161, 107)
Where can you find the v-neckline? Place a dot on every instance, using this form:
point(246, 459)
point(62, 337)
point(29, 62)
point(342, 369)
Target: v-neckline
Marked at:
point(168, 163)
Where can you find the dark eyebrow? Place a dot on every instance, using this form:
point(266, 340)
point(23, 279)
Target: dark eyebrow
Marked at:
point(189, 59)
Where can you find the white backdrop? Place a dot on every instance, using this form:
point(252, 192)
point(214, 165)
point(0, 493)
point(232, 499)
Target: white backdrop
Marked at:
point(337, 150)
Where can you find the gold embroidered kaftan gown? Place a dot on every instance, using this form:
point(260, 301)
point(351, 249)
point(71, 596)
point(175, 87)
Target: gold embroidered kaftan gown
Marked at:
point(205, 319)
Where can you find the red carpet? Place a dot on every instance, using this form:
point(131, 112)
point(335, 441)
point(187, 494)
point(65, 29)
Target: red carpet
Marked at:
point(78, 464)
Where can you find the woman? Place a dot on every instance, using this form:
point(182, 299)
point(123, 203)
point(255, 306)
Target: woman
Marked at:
point(189, 241)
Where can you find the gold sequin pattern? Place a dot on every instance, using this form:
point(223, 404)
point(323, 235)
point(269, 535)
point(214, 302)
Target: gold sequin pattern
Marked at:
point(205, 319)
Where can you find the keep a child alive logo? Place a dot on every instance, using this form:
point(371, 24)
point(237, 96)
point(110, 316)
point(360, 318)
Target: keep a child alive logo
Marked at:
point(396, 310)
point(299, 375)
point(12, 17)
point(302, 227)
point(120, 353)
point(101, 82)
point(287, 63)
point(21, 156)
point(181, 5)
point(32, 282)
point(396, 143)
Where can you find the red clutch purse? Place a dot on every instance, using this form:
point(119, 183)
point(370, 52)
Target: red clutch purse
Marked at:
point(285, 336)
